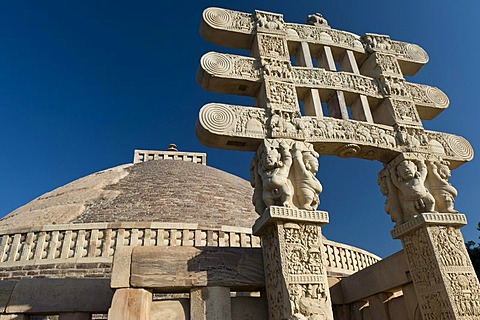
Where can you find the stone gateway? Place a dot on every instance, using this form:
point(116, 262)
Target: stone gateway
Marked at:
point(168, 237)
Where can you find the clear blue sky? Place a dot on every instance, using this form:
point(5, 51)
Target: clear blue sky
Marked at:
point(82, 84)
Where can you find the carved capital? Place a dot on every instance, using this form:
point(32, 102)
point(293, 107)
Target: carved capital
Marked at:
point(429, 219)
point(276, 213)
point(283, 174)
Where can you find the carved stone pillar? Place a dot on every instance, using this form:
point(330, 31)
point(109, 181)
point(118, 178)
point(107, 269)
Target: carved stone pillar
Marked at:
point(295, 273)
point(443, 276)
point(420, 200)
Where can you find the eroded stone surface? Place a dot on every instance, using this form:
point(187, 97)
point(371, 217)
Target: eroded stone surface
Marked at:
point(164, 190)
point(65, 203)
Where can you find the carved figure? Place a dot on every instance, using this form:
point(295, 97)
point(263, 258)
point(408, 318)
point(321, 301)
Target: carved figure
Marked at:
point(443, 192)
point(317, 19)
point(271, 167)
point(373, 43)
point(392, 204)
point(409, 177)
point(307, 186)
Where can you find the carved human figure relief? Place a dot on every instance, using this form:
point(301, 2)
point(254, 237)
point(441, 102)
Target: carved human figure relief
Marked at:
point(307, 186)
point(443, 192)
point(283, 174)
point(271, 168)
point(409, 177)
point(392, 204)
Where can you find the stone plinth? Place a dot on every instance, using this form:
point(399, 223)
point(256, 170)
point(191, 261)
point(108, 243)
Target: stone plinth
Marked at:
point(295, 272)
point(442, 273)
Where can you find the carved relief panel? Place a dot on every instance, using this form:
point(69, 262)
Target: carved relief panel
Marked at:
point(300, 275)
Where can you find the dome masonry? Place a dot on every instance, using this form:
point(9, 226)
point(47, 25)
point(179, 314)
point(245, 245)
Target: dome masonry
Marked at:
point(153, 191)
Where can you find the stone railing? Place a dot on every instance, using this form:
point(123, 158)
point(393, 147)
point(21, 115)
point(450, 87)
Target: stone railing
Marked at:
point(148, 155)
point(345, 259)
point(97, 242)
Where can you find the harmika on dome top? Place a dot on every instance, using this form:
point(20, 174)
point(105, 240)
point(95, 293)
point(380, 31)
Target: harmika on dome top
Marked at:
point(151, 191)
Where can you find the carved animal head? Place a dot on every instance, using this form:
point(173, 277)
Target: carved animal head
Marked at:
point(317, 19)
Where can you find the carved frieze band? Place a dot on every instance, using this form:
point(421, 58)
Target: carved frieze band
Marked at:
point(454, 219)
point(251, 123)
point(285, 213)
point(239, 22)
point(402, 50)
point(234, 67)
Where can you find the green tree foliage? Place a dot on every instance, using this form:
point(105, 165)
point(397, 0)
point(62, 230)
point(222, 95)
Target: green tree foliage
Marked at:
point(474, 252)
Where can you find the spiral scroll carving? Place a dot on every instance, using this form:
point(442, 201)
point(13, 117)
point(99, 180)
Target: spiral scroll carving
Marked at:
point(217, 118)
point(417, 53)
point(217, 17)
point(437, 96)
point(218, 64)
point(460, 146)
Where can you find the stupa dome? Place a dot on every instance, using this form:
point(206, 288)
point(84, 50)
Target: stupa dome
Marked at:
point(153, 191)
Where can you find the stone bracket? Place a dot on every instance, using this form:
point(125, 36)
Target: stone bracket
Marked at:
point(424, 219)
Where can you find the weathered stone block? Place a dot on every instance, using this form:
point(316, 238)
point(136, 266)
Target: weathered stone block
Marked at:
point(6, 289)
point(75, 316)
point(131, 304)
point(54, 295)
point(210, 303)
point(186, 267)
point(171, 309)
point(121, 268)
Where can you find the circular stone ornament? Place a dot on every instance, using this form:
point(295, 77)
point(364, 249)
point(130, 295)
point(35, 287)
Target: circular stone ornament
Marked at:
point(417, 53)
point(216, 63)
point(217, 17)
point(437, 96)
point(460, 146)
point(217, 118)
